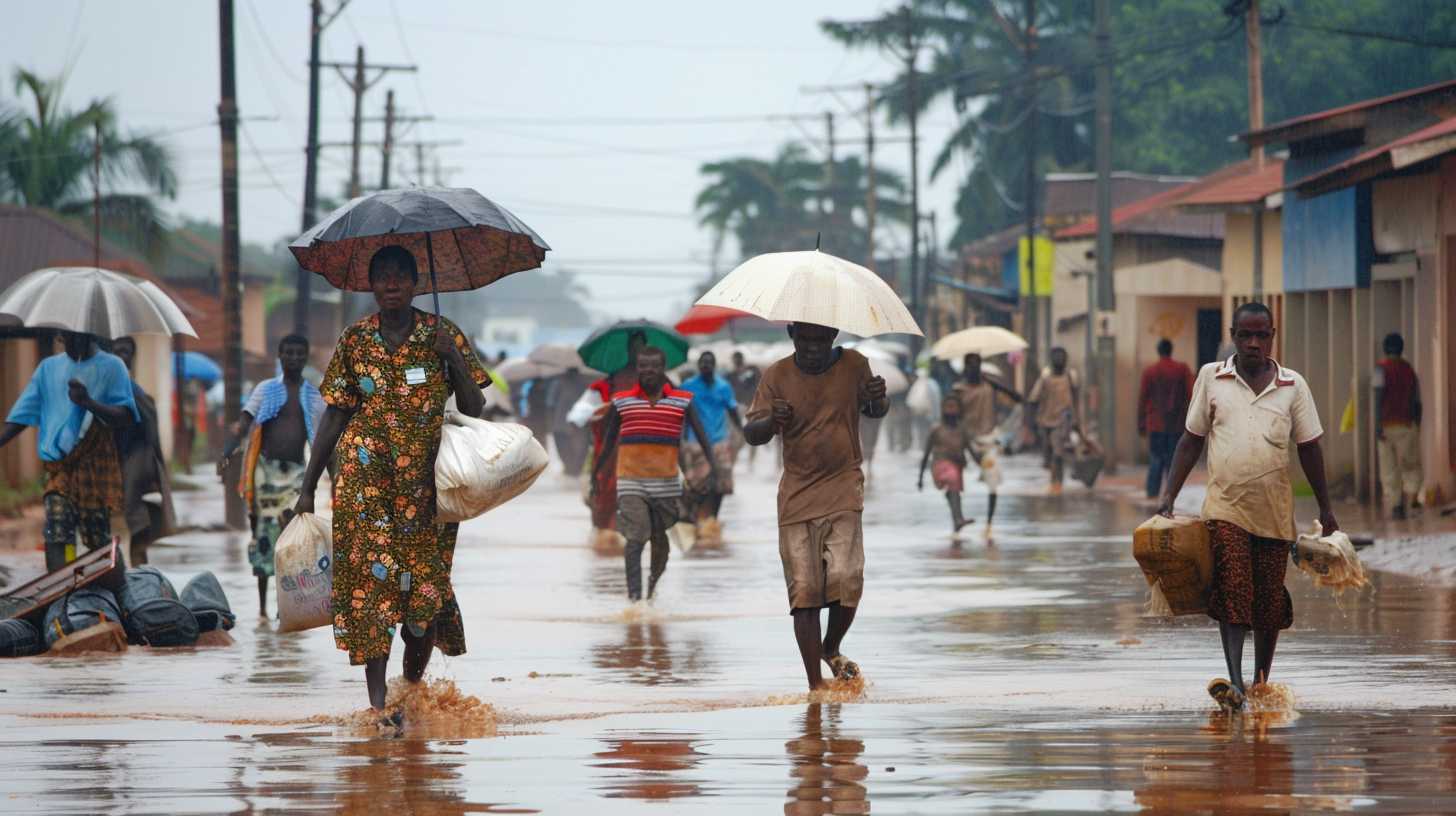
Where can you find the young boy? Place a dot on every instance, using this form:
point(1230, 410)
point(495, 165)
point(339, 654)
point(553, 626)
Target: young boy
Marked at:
point(947, 444)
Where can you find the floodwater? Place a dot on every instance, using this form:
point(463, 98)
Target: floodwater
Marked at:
point(1014, 677)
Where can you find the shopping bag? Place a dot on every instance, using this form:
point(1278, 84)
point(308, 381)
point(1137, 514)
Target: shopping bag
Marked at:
point(304, 565)
point(482, 465)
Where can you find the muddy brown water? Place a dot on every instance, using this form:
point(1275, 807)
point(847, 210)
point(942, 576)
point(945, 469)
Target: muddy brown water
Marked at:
point(1018, 677)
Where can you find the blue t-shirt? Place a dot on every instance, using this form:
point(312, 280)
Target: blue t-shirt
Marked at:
point(46, 401)
point(712, 402)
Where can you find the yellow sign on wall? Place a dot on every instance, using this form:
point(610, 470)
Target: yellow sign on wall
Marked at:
point(1044, 249)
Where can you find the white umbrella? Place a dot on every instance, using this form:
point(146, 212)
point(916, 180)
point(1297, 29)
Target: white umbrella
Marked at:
point(895, 380)
point(987, 341)
point(93, 301)
point(521, 369)
point(558, 356)
point(813, 287)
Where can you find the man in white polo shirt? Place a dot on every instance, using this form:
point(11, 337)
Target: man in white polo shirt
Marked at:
point(1249, 410)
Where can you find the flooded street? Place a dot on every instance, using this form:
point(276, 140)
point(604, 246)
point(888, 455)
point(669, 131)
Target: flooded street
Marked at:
point(1013, 677)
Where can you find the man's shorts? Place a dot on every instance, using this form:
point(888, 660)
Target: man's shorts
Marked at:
point(696, 471)
point(1248, 579)
point(948, 475)
point(639, 517)
point(823, 560)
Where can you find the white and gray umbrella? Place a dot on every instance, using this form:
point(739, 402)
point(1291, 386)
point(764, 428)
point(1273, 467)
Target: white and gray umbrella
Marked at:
point(92, 301)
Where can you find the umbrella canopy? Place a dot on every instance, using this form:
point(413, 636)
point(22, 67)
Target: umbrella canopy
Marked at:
point(606, 349)
point(194, 365)
point(93, 301)
point(708, 319)
point(521, 369)
point(558, 356)
point(813, 287)
point(462, 238)
point(987, 341)
point(895, 380)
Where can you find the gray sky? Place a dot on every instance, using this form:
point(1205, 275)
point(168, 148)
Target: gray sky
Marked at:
point(584, 118)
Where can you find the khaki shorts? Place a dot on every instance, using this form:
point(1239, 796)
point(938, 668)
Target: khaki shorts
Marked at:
point(824, 560)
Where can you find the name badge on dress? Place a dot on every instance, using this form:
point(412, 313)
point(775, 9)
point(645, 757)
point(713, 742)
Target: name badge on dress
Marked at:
point(414, 376)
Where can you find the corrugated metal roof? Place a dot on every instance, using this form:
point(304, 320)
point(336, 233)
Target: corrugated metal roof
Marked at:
point(1159, 215)
point(1245, 185)
point(1381, 159)
point(1281, 131)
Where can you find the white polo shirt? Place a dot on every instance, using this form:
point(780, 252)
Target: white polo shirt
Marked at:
point(1250, 437)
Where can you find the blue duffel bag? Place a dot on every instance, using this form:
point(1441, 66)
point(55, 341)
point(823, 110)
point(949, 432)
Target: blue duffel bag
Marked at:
point(19, 639)
point(79, 610)
point(204, 596)
point(152, 613)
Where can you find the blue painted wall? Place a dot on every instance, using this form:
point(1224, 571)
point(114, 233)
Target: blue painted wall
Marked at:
point(1328, 241)
point(1011, 273)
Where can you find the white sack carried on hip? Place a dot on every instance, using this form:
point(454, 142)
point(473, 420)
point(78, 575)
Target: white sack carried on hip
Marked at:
point(303, 562)
point(482, 465)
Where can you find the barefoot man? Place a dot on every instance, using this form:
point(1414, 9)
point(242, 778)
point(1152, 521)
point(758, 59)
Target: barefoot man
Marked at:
point(977, 396)
point(1248, 410)
point(813, 401)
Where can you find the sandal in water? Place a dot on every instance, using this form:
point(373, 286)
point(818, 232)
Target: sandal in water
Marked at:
point(1226, 694)
point(843, 667)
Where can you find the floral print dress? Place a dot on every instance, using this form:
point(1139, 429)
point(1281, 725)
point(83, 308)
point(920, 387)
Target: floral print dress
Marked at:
point(391, 559)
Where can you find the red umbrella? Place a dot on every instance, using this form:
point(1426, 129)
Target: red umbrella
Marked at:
point(708, 319)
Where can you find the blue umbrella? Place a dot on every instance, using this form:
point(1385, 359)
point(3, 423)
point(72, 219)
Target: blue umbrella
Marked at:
point(194, 365)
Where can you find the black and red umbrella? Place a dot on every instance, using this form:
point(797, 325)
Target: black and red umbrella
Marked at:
point(465, 240)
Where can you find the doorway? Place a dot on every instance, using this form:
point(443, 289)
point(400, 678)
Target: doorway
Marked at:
point(1210, 334)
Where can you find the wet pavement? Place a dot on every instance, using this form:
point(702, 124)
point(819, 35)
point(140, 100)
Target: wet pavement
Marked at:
point(1018, 676)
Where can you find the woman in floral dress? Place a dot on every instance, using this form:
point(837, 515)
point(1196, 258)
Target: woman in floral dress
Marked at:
point(386, 388)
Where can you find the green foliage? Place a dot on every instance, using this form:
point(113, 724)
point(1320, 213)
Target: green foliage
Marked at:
point(15, 499)
point(1180, 80)
point(46, 160)
point(788, 202)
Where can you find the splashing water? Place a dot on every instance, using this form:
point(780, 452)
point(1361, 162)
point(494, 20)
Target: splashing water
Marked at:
point(435, 709)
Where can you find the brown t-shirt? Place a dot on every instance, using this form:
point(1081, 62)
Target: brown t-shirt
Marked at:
point(978, 407)
point(822, 454)
point(1053, 395)
point(948, 442)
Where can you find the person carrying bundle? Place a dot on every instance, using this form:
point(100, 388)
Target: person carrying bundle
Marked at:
point(1248, 410)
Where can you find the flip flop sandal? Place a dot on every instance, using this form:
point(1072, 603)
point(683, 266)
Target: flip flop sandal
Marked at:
point(843, 667)
point(1226, 694)
point(392, 725)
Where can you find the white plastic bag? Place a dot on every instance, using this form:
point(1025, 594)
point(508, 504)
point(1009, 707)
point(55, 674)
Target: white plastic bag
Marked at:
point(1330, 560)
point(303, 563)
point(483, 465)
point(924, 397)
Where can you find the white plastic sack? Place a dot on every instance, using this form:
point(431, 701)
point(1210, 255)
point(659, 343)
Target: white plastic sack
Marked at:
point(1329, 559)
point(924, 397)
point(483, 465)
point(303, 563)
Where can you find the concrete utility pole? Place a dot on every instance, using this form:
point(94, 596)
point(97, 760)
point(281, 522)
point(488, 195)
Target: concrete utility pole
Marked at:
point(829, 165)
point(1032, 307)
point(1106, 295)
point(232, 337)
point(359, 83)
point(870, 197)
point(917, 285)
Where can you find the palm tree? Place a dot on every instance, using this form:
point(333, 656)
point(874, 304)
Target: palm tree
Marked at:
point(46, 160)
point(789, 202)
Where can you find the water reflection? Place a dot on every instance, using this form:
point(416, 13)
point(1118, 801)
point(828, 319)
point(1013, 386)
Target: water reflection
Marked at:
point(653, 765)
point(644, 655)
point(827, 776)
point(1236, 766)
point(399, 776)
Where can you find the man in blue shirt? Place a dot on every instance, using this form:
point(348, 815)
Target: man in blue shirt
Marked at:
point(715, 403)
point(74, 400)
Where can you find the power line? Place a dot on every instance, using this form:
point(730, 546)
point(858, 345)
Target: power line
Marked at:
point(1403, 39)
point(623, 44)
point(262, 33)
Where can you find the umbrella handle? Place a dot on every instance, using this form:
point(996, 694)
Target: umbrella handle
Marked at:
point(430, 258)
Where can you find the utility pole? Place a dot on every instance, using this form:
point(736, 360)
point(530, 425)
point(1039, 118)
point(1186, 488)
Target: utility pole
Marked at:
point(1252, 41)
point(96, 198)
point(359, 83)
point(232, 337)
point(1106, 295)
point(303, 285)
point(917, 286)
point(870, 177)
point(1032, 308)
point(388, 149)
point(829, 166)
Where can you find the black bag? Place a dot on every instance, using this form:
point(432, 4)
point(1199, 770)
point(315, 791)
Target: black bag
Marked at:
point(152, 613)
point(204, 596)
point(78, 610)
point(19, 639)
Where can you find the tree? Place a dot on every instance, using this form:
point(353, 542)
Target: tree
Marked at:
point(1179, 79)
point(46, 160)
point(789, 202)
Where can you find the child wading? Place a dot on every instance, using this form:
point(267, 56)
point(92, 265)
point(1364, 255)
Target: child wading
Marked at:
point(945, 452)
point(813, 401)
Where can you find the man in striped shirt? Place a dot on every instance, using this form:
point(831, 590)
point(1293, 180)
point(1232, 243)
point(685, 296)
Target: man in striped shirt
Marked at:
point(644, 427)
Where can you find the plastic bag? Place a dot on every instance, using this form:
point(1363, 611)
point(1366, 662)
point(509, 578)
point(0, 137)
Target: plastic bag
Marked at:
point(1330, 560)
point(304, 564)
point(482, 465)
point(923, 398)
point(1177, 562)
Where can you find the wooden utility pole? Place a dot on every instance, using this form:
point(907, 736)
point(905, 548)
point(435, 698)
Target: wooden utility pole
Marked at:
point(388, 149)
point(870, 197)
point(358, 83)
point(303, 283)
point(232, 336)
point(917, 286)
point(829, 165)
point(1256, 77)
point(1032, 307)
point(1106, 295)
point(96, 198)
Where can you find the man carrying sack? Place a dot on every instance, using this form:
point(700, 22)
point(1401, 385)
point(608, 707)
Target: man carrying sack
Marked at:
point(1247, 410)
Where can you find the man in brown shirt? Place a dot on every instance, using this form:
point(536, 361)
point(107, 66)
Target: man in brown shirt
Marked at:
point(1056, 413)
point(977, 396)
point(814, 400)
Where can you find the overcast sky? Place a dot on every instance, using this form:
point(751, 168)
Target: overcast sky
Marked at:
point(587, 119)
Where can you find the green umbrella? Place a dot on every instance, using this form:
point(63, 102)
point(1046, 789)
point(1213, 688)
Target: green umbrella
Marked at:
point(606, 349)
